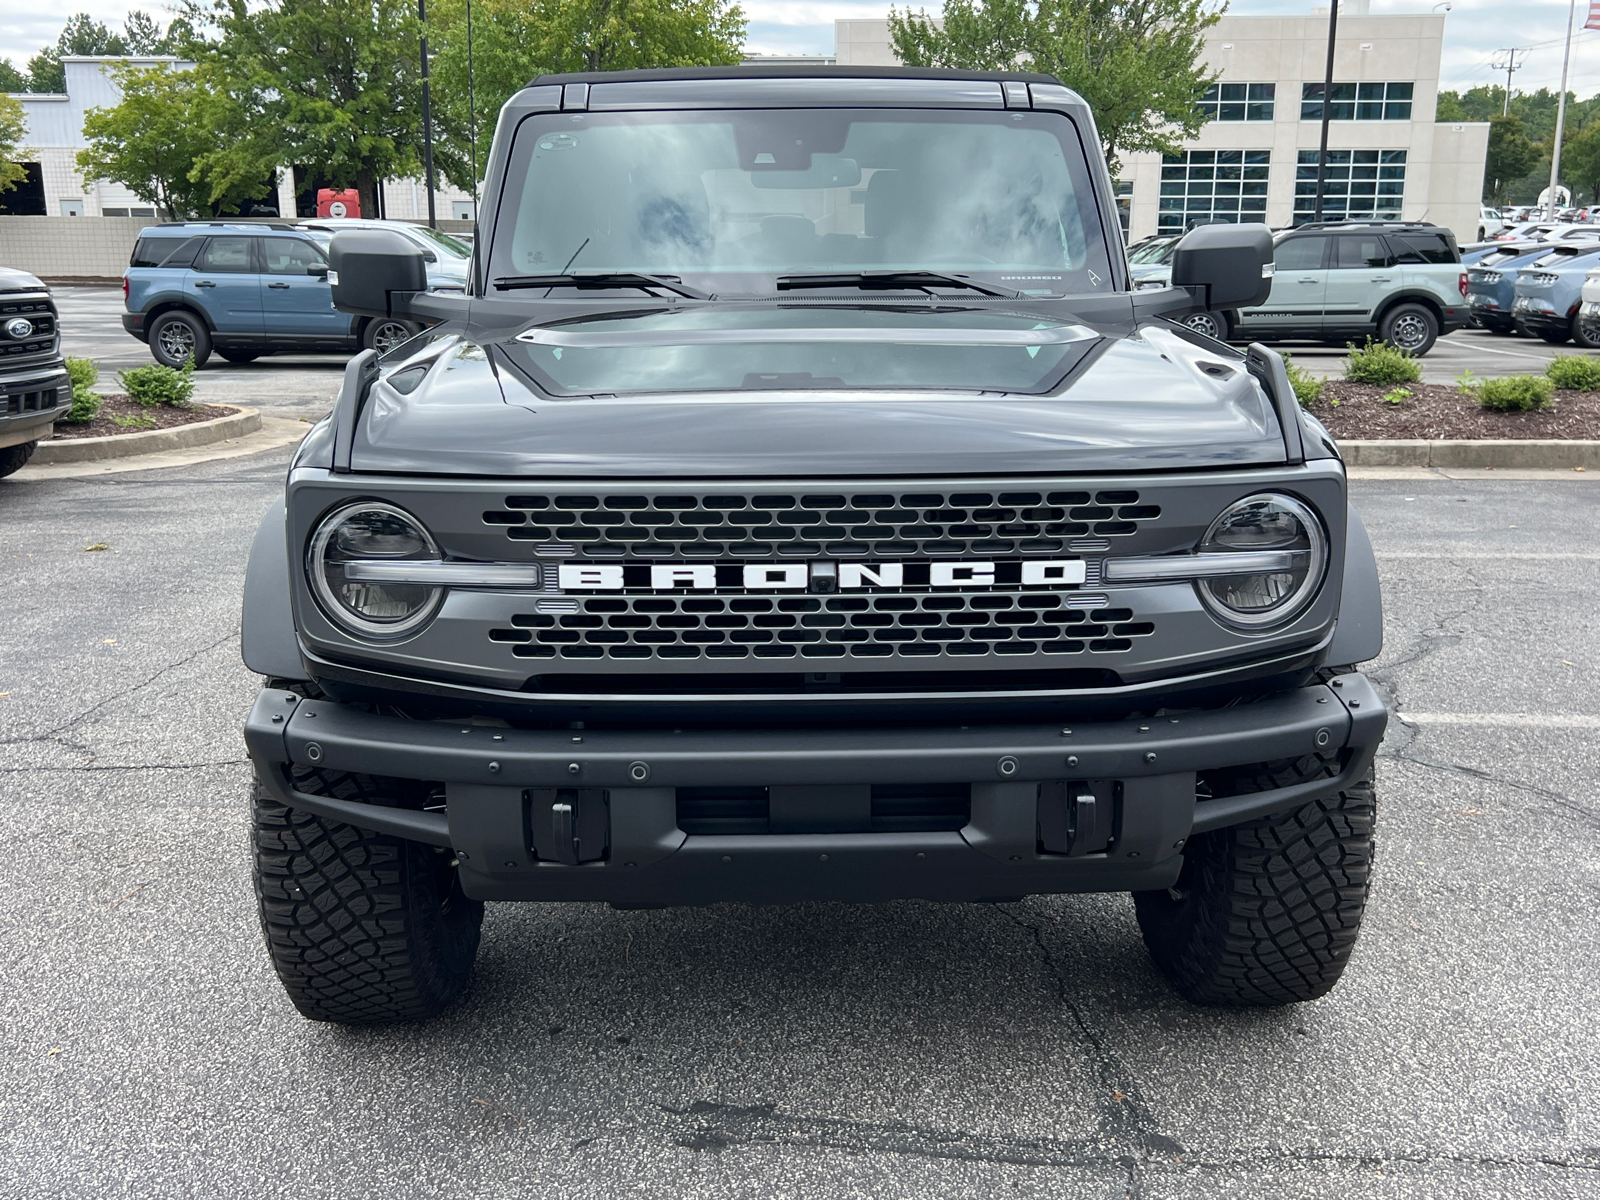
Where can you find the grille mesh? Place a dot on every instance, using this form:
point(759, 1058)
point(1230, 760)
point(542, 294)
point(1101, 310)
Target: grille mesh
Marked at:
point(879, 626)
point(857, 524)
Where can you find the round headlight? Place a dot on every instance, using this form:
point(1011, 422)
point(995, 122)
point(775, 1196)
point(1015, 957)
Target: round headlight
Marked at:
point(369, 531)
point(1265, 523)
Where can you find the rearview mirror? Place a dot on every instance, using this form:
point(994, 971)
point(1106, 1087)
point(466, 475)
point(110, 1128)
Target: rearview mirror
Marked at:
point(825, 171)
point(375, 272)
point(1225, 266)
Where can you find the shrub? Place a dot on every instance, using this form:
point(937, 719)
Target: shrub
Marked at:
point(1575, 371)
point(1380, 363)
point(156, 384)
point(85, 404)
point(1515, 393)
point(1307, 387)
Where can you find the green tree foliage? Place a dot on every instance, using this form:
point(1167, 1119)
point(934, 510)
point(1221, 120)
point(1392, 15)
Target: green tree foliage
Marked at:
point(1512, 155)
point(13, 128)
point(11, 79)
point(330, 84)
point(1136, 62)
point(515, 40)
point(83, 35)
point(1580, 160)
point(162, 142)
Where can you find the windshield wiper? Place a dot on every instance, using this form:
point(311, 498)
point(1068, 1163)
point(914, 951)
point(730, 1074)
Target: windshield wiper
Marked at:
point(893, 279)
point(600, 279)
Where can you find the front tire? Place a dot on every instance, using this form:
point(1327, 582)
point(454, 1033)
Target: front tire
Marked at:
point(14, 458)
point(362, 928)
point(1587, 337)
point(1212, 324)
point(1409, 327)
point(1266, 913)
point(176, 337)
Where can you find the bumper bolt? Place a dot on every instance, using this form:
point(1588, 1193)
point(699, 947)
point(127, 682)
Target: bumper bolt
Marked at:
point(1072, 760)
point(1323, 737)
point(823, 857)
point(494, 766)
point(1355, 704)
point(727, 858)
point(1007, 766)
point(511, 864)
point(276, 717)
point(1178, 845)
point(573, 768)
point(639, 771)
point(313, 752)
point(1150, 757)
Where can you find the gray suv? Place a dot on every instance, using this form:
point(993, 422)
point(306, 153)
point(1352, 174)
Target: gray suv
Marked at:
point(802, 503)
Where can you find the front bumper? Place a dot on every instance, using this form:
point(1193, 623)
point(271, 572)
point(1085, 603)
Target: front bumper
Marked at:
point(488, 774)
point(31, 400)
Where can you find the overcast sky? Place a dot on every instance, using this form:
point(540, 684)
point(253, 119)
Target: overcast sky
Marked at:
point(1474, 31)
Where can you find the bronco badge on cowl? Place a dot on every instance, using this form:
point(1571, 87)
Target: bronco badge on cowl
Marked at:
point(800, 504)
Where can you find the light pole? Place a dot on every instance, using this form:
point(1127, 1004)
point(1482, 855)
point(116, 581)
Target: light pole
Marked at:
point(1561, 119)
point(427, 115)
point(1327, 106)
point(472, 115)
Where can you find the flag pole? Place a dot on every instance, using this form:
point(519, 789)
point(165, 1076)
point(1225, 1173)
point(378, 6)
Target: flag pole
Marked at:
point(1561, 119)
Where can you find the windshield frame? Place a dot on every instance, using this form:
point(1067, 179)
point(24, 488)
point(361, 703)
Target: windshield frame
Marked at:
point(731, 283)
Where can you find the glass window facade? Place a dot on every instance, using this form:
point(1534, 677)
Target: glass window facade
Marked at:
point(1358, 102)
point(1216, 185)
point(1359, 185)
point(1239, 101)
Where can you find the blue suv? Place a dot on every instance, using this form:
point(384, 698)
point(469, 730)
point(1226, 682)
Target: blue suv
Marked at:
point(246, 290)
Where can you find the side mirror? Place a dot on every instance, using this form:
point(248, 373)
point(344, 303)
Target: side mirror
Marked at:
point(1225, 266)
point(429, 256)
point(320, 270)
point(375, 272)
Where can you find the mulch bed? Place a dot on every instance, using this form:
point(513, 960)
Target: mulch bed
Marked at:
point(120, 405)
point(1358, 411)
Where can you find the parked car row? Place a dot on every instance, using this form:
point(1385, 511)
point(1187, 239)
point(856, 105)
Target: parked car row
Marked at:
point(247, 290)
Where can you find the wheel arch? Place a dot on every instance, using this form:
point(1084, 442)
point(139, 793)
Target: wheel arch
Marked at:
point(1427, 299)
point(268, 642)
point(162, 307)
point(1358, 636)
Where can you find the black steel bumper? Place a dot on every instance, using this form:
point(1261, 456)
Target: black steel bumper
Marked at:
point(488, 773)
point(31, 400)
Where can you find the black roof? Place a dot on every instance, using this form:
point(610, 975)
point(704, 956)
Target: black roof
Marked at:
point(789, 71)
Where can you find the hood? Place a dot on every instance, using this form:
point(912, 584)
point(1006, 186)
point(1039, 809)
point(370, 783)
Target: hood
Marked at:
point(13, 280)
point(1153, 397)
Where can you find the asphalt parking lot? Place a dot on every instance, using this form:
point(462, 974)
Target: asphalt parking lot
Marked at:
point(901, 1050)
point(304, 385)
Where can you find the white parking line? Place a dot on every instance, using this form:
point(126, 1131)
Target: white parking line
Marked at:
point(1574, 556)
point(1493, 350)
point(1514, 720)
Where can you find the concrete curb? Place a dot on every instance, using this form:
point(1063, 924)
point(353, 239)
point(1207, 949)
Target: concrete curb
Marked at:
point(152, 441)
point(1511, 453)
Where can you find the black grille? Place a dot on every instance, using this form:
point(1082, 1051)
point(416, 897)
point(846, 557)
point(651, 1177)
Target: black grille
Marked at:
point(896, 808)
point(843, 524)
point(43, 337)
point(21, 402)
point(822, 627)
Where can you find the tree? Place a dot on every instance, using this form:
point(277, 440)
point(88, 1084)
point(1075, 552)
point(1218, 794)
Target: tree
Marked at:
point(83, 35)
point(11, 79)
point(329, 84)
point(1136, 62)
point(160, 142)
point(515, 40)
point(13, 128)
point(1580, 161)
point(1512, 154)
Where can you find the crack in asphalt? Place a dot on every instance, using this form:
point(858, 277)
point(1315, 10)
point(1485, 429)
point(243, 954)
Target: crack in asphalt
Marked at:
point(199, 766)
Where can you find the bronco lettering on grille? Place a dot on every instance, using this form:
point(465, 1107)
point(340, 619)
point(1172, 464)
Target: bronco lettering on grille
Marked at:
point(666, 577)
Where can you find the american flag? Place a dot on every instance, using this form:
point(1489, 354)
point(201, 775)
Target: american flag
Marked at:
point(1594, 15)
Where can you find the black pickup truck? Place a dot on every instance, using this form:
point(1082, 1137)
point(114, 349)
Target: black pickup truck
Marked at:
point(802, 504)
point(34, 387)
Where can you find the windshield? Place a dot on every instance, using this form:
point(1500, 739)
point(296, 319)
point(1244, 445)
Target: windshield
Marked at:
point(733, 200)
point(443, 242)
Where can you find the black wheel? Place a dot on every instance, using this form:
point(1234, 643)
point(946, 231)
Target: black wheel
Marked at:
point(1409, 327)
point(1212, 324)
point(1266, 913)
point(240, 356)
point(14, 458)
point(362, 928)
point(176, 337)
point(385, 333)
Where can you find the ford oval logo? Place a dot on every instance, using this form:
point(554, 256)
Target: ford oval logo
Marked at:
point(19, 327)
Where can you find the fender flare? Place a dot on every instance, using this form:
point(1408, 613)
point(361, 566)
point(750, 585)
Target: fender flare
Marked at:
point(267, 637)
point(1358, 636)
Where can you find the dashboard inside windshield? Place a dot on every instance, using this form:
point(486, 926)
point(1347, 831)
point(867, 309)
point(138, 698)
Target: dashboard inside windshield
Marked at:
point(736, 199)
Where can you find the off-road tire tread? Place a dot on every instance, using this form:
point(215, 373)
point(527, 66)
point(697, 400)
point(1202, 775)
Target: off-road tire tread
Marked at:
point(352, 918)
point(14, 458)
point(1270, 910)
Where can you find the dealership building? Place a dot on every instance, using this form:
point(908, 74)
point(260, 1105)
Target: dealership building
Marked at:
point(1256, 159)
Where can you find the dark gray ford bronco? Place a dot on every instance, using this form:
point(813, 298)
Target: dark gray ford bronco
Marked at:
point(800, 504)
